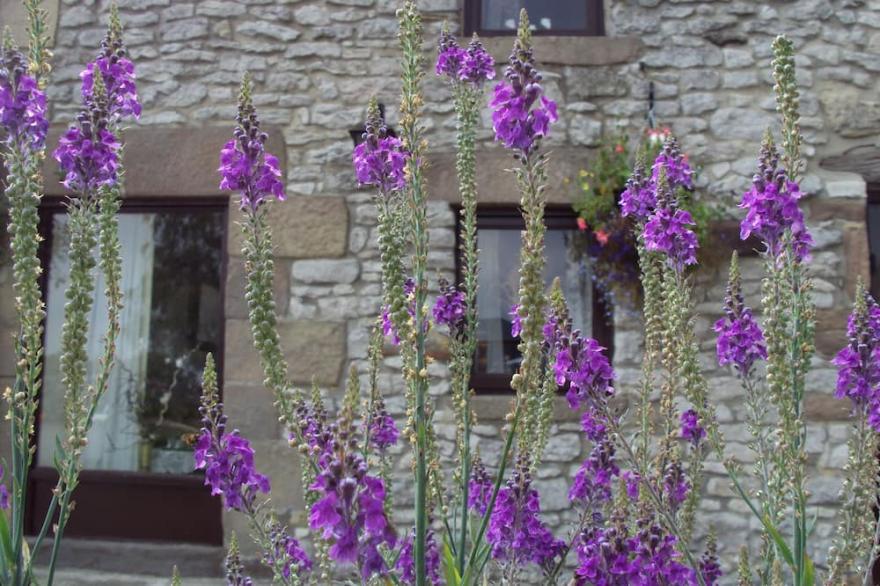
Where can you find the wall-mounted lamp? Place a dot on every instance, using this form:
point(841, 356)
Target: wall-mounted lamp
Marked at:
point(357, 134)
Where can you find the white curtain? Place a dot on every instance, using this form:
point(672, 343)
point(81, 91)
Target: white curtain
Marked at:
point(113, 440)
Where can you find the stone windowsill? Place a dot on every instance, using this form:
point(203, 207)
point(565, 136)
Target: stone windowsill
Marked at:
point(572, 50)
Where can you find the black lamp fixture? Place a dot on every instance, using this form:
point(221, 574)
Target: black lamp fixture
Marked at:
point(357, 134)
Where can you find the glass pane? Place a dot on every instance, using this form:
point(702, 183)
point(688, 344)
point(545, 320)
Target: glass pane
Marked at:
point(172, 317)
point(545, 15)
point(499, 282)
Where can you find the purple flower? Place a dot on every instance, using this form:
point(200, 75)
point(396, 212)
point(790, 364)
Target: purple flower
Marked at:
point(450, 308)
point(740, 339)
point(675, 164)
point(515, 321)
point(88, 153)
point(656, 561)
point(667, 230)
point(382, 431)
point(228, 462)
point(287, 553)
point(4, 492)
point(388, 328)
point(478, 65)
point(604, 556)
point(593, 481)
point(639, 198)
point(521, 114)
point(379, 160)
point(691, 430)
point(632, 481)
point(22, 103)
point(516, 532)
point(406, 566)
point(858, 363)
point(772, 207)
point(118, 75)
point(710, 569)
point(450, 56)
point(245, 166)
point(675, 485)
point(480, 487)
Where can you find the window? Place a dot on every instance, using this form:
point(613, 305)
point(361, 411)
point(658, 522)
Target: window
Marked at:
point(498, 235)
point(172, 280)
point(555, 17)
point(873, 219)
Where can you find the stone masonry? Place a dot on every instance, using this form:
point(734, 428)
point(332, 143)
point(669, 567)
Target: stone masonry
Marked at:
point(315, 63)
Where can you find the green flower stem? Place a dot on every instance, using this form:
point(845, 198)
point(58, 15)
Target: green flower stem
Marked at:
point(416, 201)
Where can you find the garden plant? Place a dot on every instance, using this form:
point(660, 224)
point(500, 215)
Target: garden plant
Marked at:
point(636, 495)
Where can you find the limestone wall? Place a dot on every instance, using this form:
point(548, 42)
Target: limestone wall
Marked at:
point(315, 63)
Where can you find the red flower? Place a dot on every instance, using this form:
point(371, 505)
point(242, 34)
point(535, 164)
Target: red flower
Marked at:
point(601, 236)
point(618, 148)
point(582, 224)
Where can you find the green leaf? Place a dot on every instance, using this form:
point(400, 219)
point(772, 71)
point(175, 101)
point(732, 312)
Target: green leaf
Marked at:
point(780, 542)
point(5, 542)
point(809, 571)
point(452, 576)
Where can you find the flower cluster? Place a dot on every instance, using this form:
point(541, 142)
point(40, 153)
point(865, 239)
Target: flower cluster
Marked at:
point(675, 164)
point(450, 308)
point(4, 492)
point(287, 553)
point(406, 565)
point(118, 75)
point(691, 430)
point(656, 559)
point(480, 487)
point(245, 166)
point(22, 103)
point(772, 209)
point(380, 159)
point(382, 431)
point(740, 339)
point(858, 363)
point(593, 481)
point(638, 200)
point(521, 113)
point(473, 65)
point(516, 532)
point(228, 461)
point(580, 362)
point(668, 229)
point(675, 485)
point(604, 556)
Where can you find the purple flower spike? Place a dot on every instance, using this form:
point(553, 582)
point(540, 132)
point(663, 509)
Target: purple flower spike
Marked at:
point(671, 159)
point(288, 553)
point(118, 75)
point(383, 432)
point(858, 363)
point(638, 200)
point(593, 481)
point(88, 153)
point(406, 565)
point(516, 532)
point(245, 166)
point(772, 207)
point(478, 65)
point(740, 339)
point(379, 160)
point(515, 321)
point(521, 113)
point(691, 430)
point(4, 492)
point(450, 56)
point(480, 487)
point(450, 308)
point(228, 462)
point(668, 231)
point(656, 558)
point(22, 103)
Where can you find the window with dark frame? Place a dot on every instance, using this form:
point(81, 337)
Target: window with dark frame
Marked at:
point(556, 17)
point(498, 235)
point(872, 217)
point(173, 280)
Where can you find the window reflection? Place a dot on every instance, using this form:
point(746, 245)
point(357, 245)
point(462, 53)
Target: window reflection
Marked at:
point(172, 317)
point(544, 15)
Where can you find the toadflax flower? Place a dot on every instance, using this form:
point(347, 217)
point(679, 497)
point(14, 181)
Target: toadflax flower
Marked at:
point(382, 432)
point(478, 65)
point(740, 339)
point(450, 308)
point(379, 160)
point(516, 533)
point(228, 461)
point(245, 166)
point(691, 430)
point(4, 492)
point(118, 75)
point(656, 558)
point(22, 103)
point(521, 113)
point(450, 55)
point(858, 363)
point(480, 487)
point(772, 207)
point(88, 153)
point(286, 553)
point(671, 159)
point(668, 228)
point(406, 564)
point(593, 481)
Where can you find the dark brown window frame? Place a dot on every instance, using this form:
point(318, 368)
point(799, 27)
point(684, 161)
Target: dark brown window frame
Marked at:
point(134, 505)
point(595, 22)
point(506, 217)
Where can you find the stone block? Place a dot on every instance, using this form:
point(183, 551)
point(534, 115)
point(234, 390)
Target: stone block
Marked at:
point(7, 353)
point(830, 331)
point(822, 405)
point(344, 270)
point(823, 208)
point(857, 255)
point(251, 409)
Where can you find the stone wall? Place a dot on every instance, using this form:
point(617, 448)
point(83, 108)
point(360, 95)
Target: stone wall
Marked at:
point(315, 63)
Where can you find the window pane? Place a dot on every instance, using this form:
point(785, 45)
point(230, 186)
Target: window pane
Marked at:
point(498, 285)
point(545, 15)
point(172, 316)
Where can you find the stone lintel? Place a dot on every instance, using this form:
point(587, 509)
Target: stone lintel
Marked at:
point(162, 161)
point(571, 50)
